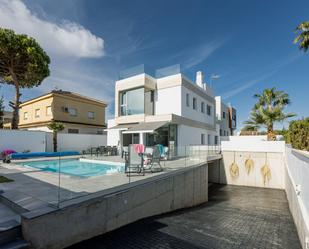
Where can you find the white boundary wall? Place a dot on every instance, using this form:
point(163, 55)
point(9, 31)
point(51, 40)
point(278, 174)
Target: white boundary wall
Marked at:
point(76, 142)
point(256, 144)
point(22, 140)
point(297, 190)
point(39, 141)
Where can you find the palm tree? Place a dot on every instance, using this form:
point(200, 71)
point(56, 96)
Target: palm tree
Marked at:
point(55, 127)
point(269, 109)
point(303, 37)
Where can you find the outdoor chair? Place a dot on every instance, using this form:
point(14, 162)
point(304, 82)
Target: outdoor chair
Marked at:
point(154, 164)
point(114, 151)
point(94, 151)
point(125, 151)
point(135, 162)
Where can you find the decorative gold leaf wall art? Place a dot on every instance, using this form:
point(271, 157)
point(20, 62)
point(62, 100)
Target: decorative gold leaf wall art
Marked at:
point(265, 170)
point(234, 169)
point(249, 164)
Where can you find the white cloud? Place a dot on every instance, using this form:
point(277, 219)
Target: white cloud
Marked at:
point(202, 53)
point(192, 57)
point(67, 39)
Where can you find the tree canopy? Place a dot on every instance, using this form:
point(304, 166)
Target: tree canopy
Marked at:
point(22, 57)
point(268, 110)
point(23, 63)
point(55, 126)
point(303, 38)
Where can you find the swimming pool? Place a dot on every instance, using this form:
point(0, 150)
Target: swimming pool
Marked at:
point(76, 167)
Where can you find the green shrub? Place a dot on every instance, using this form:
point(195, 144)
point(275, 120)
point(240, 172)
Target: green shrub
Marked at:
point(298, 134)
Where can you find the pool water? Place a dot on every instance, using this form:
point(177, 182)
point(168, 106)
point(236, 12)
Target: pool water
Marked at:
point(75, 167)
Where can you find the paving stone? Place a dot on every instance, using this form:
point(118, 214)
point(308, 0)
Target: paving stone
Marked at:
point(235, 217)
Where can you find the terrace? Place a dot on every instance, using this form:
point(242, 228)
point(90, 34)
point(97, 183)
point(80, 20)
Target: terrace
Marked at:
point(58, 189)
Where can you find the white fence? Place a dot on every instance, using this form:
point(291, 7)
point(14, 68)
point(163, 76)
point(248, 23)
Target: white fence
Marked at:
point(37, 141)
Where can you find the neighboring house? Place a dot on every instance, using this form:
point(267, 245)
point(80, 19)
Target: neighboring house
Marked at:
point(78, 113)
point(7, 119)
point(226, 118)
point(167, 109)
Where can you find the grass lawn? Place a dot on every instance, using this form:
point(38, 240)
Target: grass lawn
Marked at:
point(4, 179)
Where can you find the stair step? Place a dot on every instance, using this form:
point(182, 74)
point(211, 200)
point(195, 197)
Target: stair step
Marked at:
point(9, 231)
point(16, 244)
point(8, 198)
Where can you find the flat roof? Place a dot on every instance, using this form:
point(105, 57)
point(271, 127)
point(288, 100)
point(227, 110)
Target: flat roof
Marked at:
point(64, 93)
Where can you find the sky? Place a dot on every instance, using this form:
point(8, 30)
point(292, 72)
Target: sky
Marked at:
point(248, 43)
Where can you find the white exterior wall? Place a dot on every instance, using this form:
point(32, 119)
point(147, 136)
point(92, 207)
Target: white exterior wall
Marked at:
point(189, 112)
point(192, 136)
point(113, 136)
point(20, 141)
point(224, 122)
point(168, 100)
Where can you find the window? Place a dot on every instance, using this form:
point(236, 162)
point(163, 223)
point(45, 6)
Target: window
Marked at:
point(37, 113)
point(132, 102)
point(187, 100)
point(203, 139)
point(216, 140)
point(48, 111)
point(194, 102)
point(220, 132)
point(223, 114)
point(208, 110)
point(135, 138)
point(224, 133)
point(91, 115)
point(208, 139)
point(75, 131)
point(72, 111)
point(25, 115)
point(203, 107)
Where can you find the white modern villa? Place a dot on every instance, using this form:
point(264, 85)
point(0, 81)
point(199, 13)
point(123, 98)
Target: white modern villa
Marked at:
point(168, 109)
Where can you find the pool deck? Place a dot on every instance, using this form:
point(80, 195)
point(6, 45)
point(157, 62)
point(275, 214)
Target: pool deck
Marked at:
point(34, 187)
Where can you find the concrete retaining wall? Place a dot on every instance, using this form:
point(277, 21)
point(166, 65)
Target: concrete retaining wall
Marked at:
point(221, 174)
point(157, 195)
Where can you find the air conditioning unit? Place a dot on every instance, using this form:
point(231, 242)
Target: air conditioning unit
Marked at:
point(65, 109)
